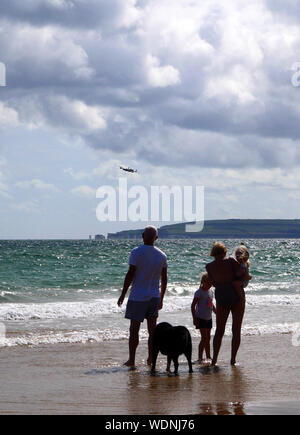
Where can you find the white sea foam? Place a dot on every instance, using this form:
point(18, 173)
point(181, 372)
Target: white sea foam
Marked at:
point(98, 335)
point(94, 320)
point(55, 310)
point(98, 307)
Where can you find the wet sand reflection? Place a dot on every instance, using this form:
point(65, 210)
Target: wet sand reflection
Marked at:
point(196, 393)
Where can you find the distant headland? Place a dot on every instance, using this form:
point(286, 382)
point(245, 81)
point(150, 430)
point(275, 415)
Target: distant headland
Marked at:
point(225, 229)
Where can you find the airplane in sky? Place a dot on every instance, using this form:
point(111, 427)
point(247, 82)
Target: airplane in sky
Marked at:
point(128, 169)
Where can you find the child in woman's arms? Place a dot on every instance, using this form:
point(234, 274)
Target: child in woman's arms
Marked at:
point(243, 275)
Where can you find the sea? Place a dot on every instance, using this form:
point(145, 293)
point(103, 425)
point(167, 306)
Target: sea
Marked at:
point(66, 291)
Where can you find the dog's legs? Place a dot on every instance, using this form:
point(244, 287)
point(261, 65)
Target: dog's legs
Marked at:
point(155, 352)
point(188, 355)
point(169, 364)
point(175, 359)
point(189, 360)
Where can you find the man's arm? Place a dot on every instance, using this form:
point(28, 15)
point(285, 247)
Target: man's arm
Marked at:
point(127, 283)
point(163, 287)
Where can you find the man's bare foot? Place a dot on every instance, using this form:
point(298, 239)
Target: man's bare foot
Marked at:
point(129, 364)
point(213, 363)
point(233, 362)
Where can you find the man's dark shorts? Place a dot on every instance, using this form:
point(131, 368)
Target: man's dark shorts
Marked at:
point(140, 311)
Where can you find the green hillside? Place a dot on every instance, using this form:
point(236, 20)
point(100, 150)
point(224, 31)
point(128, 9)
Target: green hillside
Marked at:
point(232, 228)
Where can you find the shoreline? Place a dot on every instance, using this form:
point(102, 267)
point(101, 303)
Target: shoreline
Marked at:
point(90, 379)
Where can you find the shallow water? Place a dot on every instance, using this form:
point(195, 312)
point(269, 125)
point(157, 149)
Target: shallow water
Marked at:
point(90, 379)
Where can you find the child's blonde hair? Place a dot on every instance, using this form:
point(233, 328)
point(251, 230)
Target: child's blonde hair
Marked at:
point(243, 254)
point(205, 278)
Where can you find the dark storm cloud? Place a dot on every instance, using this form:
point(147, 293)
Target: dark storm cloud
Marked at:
point(91, 14)
point(285, 9)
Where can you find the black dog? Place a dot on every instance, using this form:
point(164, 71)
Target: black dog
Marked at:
point(172, 341)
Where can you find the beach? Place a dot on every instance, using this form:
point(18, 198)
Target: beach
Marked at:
point(89, 379)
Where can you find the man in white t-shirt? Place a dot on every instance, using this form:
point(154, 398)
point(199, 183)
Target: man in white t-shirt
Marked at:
point(147, 267)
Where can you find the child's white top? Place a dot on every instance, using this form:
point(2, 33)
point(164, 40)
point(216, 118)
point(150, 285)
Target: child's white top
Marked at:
point(204, 306)
point(245, 269)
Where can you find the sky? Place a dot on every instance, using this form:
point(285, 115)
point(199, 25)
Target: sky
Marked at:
point(188, 93)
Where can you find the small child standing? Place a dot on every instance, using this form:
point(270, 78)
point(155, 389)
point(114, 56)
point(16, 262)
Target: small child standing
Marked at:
point(202, 308)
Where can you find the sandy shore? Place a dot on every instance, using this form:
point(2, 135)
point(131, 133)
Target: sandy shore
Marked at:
point(90, 379)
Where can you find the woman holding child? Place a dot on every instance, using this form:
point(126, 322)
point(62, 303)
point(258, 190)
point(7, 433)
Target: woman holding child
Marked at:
point(228, 276)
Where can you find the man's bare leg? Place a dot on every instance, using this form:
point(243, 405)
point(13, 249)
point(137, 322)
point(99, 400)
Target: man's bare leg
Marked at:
point(133, 342)
point(151, 323)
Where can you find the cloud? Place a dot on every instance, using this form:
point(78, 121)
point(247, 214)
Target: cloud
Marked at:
point(77, 175)
point(84, 191)
point(4, 187)
point(288, 9)
point(60, 114)
point(42, 56)
point(161, 76)
point(74, 115)
point(26, 206)
point(37, 184)
point(8, 117)
point(169, 83)
point(74, 13)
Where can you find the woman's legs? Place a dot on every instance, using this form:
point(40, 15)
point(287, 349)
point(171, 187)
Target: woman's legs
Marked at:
point(222, 317)
point(237, 320)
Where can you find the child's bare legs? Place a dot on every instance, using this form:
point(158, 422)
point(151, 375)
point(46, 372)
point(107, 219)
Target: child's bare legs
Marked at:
point(204, 344)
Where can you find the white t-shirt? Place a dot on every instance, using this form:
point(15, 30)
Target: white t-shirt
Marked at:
point(149, 262)
point(204, 306)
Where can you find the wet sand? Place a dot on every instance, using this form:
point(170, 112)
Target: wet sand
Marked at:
point(89, 379)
